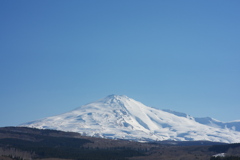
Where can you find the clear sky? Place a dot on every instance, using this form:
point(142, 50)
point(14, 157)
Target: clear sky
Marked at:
point(57, 55)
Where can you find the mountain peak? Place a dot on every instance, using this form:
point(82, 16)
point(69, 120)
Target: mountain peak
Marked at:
point(114, 96)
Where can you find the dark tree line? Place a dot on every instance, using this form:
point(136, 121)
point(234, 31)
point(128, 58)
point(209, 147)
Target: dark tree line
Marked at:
point(225, 158)
point(61, 147)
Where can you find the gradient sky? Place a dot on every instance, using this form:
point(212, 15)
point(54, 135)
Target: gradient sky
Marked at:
point(169, 54)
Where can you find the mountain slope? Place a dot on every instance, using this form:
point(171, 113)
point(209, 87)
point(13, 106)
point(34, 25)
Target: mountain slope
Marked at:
point(234, 125)
point(120, 117)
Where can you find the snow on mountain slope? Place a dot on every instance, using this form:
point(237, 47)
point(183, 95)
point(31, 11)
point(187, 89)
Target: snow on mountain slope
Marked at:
point(120, 117)
point(234, 125)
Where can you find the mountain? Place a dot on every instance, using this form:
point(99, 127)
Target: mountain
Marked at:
point(120, 117)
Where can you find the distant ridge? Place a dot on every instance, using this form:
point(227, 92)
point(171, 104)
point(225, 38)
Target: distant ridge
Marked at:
point(120, 117)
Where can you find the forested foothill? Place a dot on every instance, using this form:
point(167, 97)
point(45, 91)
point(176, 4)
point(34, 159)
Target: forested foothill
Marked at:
point(18, 143)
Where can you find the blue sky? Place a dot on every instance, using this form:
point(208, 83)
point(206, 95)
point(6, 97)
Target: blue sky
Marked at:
point(169, 54)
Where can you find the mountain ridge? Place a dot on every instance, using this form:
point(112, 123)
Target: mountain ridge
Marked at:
point(234, 125)
point(121, 117)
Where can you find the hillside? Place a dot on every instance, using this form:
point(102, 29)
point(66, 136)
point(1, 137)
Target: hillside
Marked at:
point(28, 143)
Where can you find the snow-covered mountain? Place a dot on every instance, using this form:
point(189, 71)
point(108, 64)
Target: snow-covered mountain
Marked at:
point(120, 117)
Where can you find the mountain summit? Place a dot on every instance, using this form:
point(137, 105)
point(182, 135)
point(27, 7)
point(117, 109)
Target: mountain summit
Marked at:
point(120, 117)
